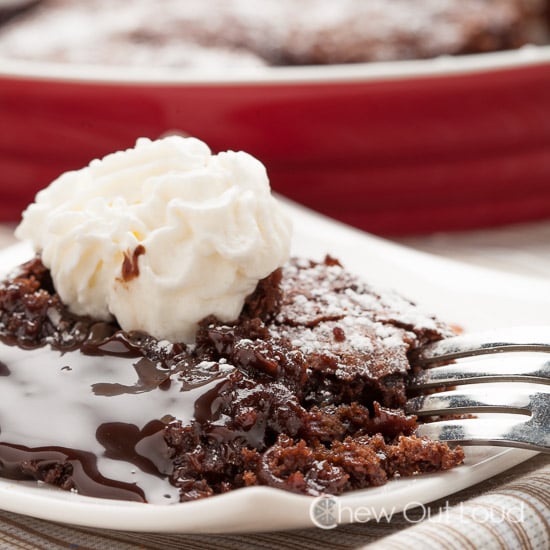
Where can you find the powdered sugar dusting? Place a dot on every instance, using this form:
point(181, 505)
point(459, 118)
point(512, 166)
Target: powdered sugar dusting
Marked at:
point(359, 331)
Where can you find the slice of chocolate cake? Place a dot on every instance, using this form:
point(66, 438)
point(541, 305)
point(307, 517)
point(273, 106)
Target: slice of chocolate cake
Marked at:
point(301, 392)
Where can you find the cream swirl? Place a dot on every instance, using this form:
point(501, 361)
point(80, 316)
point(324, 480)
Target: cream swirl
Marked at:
point(159, 236)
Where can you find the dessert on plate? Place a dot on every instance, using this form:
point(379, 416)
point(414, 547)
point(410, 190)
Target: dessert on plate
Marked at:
point(162, 346)
point(235, 33)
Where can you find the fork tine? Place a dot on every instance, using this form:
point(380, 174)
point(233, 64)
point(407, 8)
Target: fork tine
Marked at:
point(517, 339)
point(531, 433)
point(497, 398)
point(531, 399)
point(503, 368)
point(495, 431)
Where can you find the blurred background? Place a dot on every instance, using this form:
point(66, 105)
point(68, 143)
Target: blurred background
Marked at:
point(400, 117)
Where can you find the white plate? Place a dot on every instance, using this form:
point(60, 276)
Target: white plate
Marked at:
point(475, 298)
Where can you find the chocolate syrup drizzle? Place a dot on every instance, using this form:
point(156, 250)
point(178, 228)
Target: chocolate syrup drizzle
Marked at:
point(130, 264)
point(91, 410)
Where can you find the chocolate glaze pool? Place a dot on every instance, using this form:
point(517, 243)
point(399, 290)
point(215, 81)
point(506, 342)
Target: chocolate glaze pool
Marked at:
point(104, 414)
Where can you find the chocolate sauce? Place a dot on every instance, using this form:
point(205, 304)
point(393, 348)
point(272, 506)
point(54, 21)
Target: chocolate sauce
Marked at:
point(81, 473)
point(4, 371)
point(101, 416)
point(130, 264)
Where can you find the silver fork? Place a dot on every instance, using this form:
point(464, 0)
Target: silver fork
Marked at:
point(498, 379)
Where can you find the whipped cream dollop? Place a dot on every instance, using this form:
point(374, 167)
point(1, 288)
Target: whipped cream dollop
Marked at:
point(159, 236)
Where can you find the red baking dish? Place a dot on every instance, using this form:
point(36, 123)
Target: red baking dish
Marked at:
point(392, 148)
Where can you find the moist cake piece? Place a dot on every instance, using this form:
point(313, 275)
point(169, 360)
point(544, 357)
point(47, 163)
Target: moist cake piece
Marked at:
point(301, 392)
point(234, 33)
point(355, 339)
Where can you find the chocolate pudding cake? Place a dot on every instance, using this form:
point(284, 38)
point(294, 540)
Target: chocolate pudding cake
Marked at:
point(236, 33)
point(302, 392)
point(162, 345)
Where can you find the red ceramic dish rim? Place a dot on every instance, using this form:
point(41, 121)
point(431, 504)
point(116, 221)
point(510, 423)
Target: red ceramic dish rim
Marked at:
point(359, 72)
